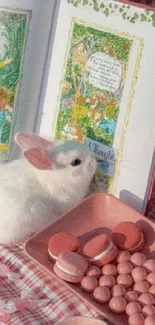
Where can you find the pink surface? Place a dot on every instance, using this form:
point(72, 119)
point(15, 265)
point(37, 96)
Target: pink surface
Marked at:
point(81, 321)
point(39, 299)
point(141, 5)
point(100, 212)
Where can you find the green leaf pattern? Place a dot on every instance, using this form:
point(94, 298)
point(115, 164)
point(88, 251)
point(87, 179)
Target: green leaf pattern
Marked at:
point(119, 9)
point(13, 26)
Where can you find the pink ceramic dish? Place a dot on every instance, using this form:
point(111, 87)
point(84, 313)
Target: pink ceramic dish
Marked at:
point(81, 320)
point(97, 214)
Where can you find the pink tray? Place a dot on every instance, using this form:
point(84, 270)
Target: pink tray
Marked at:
point(100, 212)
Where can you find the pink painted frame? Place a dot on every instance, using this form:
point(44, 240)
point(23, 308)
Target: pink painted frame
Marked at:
point(141, 5)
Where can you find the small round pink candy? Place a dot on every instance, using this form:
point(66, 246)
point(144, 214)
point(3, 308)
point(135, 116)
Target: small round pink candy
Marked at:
point(125, 280)
point(107, 280)
point(102, 294)
point(146, 299)
point(118, 304)
point(151, 278)
point(139, 274)
point(109, 269)
point(131, 296)
point(133, 307)
point(124, 268)
point(138, 259)
point(141, 287)
point(152, 290)
point(123, 257)
point(148, 310)
point(136, 319)
point(150, 265)
point(118, 290)
point(94, 270)
point(150, 320)
point(89, 283)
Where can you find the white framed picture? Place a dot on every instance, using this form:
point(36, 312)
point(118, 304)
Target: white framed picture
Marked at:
point(100, 87)
point(24, 34)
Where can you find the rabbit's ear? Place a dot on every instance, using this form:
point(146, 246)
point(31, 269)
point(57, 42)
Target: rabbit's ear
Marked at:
point(38, 158)
point(27, 140)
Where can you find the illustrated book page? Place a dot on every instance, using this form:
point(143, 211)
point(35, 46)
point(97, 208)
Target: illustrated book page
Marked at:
point(100, 91)
point(24, 36)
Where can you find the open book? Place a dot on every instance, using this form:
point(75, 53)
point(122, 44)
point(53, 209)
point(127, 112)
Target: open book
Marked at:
point(98, 86)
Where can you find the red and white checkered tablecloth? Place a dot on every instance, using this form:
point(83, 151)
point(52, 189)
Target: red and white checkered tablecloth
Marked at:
point(46, 300)
point(29, 296)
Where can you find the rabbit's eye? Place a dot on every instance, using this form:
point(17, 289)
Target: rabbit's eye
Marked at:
point(76, 162)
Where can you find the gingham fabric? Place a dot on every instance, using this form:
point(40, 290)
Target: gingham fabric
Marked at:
point(47, 301)
point(28, 295)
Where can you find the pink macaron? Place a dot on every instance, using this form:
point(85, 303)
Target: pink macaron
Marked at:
point(70, 267)
point(62, 242)
point(100, 250)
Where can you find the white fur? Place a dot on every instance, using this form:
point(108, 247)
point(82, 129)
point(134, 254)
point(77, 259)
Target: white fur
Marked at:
point(31, 198)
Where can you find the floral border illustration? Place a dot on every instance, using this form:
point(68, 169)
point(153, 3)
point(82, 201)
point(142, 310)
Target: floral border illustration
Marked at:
point(118, 9)
point(112, 188)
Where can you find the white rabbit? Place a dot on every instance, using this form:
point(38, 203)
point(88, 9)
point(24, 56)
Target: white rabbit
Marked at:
point(50, 179)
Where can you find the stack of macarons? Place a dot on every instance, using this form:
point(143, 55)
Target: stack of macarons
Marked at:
point(70, 267)
point(111, 269)
point(63, 248)
point(128, 236)
point(62, 242)
point(100, 250)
